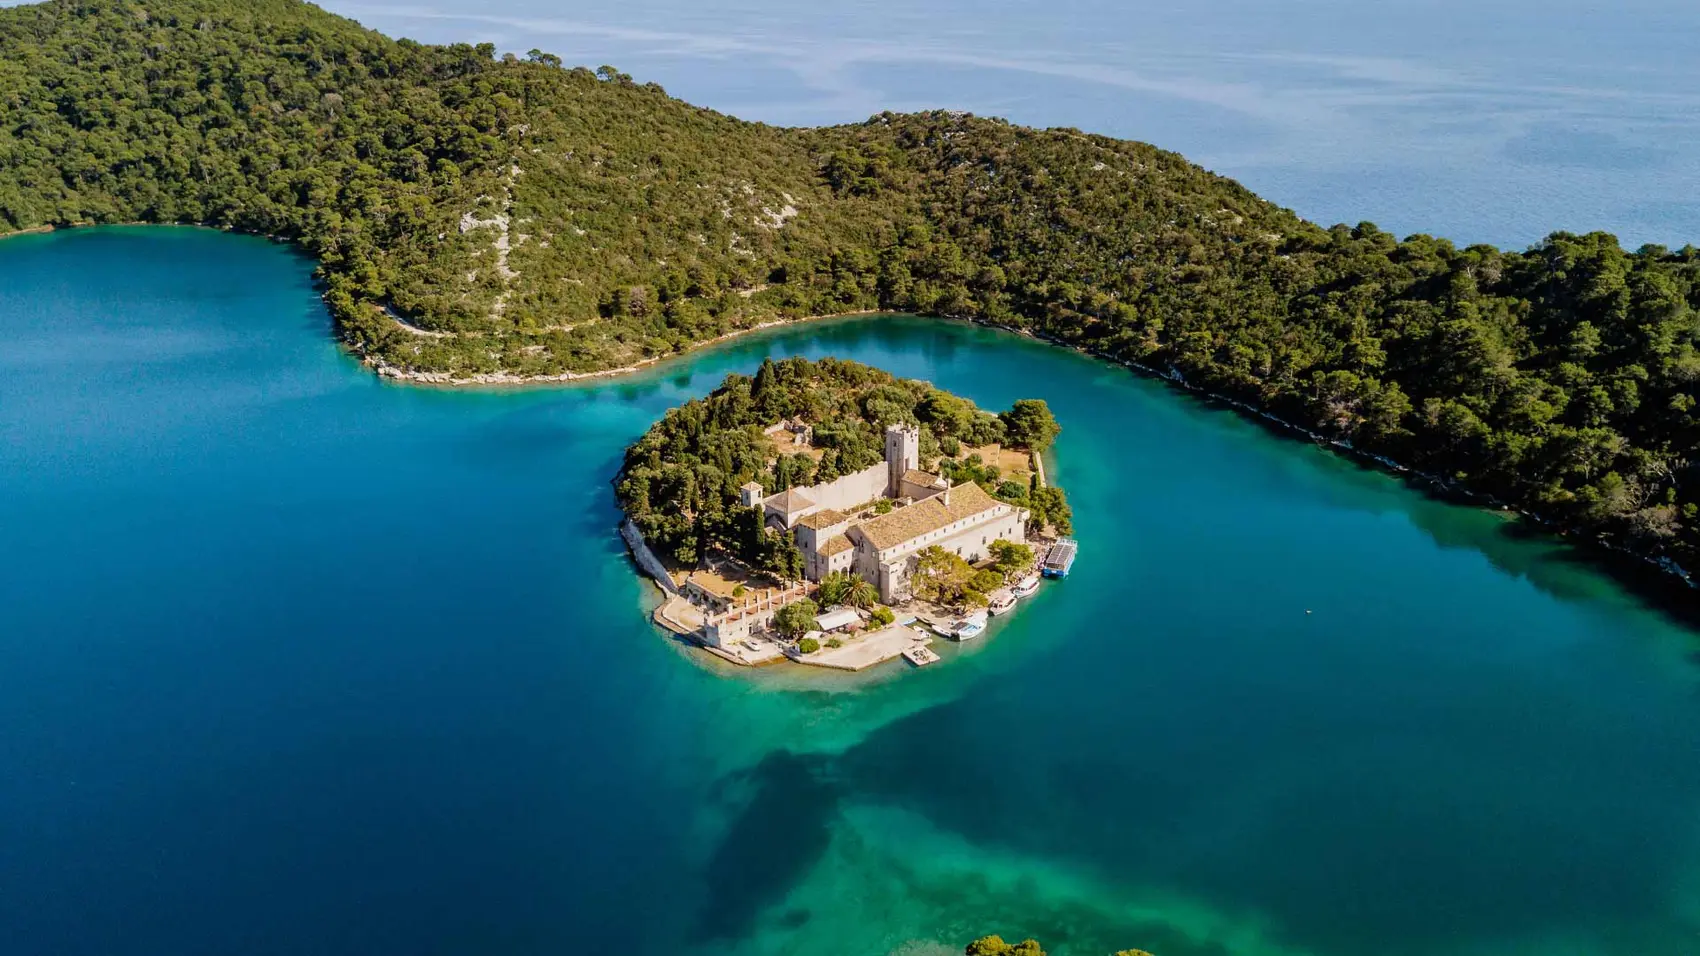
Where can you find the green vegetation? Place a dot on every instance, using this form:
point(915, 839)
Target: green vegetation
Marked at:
point(881, 616)
point(1030, 424)
point(842, 587)
point(523, 218)
point(680, 482)
point(808, 645)
point(796, 619)
point(1010, 559)
point(943, 577)
point(995, 946)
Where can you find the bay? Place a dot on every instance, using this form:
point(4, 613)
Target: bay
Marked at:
point(295, 660)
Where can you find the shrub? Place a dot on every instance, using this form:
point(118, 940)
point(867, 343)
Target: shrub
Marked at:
point(808, 645)
point(834, 642)
point(882, 616)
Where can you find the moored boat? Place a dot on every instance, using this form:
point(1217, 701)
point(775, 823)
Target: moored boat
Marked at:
point(1059, 559)
point(1000, 600)
point(1026, 587)
point(970, 627)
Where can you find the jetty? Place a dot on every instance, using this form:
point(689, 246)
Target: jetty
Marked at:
point(921, 655)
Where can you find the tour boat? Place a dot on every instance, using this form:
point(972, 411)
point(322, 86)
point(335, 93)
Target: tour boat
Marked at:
point(1000, 600)
point(1026, 587)
point(1060, 558)
point(970, 627)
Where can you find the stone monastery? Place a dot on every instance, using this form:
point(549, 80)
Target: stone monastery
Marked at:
point(828, 523)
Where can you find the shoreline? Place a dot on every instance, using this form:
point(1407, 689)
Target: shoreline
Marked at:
point(386, 370)
point(1426, 482)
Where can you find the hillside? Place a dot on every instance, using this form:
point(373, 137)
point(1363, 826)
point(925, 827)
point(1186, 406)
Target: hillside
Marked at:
point(476, 215)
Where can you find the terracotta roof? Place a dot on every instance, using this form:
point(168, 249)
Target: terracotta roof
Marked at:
point(792, 501)
point(917, 477)
point(834, 544)
point(824, 518)
point(927, 515)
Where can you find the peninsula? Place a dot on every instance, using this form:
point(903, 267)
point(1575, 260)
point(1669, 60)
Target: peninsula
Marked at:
point(828, 511)
point(486, 217)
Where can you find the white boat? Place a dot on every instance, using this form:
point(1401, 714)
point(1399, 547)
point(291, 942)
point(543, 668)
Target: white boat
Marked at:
point(1026, 587)
point(1000, 601)
point(970, 627)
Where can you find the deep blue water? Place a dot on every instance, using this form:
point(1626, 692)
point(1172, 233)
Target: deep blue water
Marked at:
point(1496, 122)
point(296, 661)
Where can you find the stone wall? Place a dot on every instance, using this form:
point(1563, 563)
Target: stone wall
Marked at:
point(853, 489)
point(646, 558)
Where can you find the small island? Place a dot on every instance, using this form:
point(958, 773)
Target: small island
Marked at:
point(832, 514)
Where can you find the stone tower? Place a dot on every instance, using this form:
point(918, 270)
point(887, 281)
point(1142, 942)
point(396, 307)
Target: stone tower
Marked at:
point(902, 454)
point(750, 494)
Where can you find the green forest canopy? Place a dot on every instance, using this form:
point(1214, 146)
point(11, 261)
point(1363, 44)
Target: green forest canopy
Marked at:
point(680, 482)
point(474, 214)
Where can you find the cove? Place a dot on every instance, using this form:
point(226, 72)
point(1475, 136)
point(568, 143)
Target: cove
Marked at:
point(296, 660)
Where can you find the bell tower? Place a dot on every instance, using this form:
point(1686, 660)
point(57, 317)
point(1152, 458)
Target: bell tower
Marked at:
point(902, 454)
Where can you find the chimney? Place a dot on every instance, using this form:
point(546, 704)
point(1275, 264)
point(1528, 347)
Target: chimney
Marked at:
point(946, 495)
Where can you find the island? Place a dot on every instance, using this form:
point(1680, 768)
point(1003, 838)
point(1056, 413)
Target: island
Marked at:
point(485, 217)
point(833, 514)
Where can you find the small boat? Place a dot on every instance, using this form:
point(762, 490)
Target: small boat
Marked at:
point(1026, 587)
point(1000, 601)
point(970, 627)
point(1059, 559)
point(920, 655)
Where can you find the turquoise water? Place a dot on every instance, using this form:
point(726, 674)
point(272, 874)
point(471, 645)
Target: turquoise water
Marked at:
point(293, 660)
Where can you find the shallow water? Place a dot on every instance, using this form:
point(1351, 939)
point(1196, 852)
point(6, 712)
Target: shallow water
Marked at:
point(295, 660)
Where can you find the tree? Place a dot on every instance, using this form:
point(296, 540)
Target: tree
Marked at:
point(833, 588)
point(995, 946)
point(796, 619)
point(943, 577)
point(862, 594)
point(882, 616)
point(1010, 557)
point(808, 645)
point(1030, 424)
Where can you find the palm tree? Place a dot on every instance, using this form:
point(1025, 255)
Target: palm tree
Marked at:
point(835, 588)
point(861, 594)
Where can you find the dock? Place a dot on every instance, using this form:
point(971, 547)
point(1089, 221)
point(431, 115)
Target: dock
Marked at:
point(864, 651)
point(921, 655)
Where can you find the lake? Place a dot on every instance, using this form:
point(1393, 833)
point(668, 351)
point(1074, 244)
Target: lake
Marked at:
point(296, 660)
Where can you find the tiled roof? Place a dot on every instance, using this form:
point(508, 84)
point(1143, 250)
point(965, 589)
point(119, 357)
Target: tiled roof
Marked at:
point(834, 544)
point(927, 515)
point(792, 501)
point(926, 479)
point(824, 518)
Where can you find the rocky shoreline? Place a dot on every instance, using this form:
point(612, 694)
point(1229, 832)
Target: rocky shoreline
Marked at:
point(391, 371)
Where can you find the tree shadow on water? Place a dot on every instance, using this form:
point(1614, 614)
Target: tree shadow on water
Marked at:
point(772, 842)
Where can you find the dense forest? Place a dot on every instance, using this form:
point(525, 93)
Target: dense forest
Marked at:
point(680, 481)
point(476, 214)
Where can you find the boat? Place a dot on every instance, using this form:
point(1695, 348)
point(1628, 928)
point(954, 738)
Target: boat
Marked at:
point(921, 655)
point(1026, 587)
point(1059, 559)
point(969, 627)
point(1000, 601)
